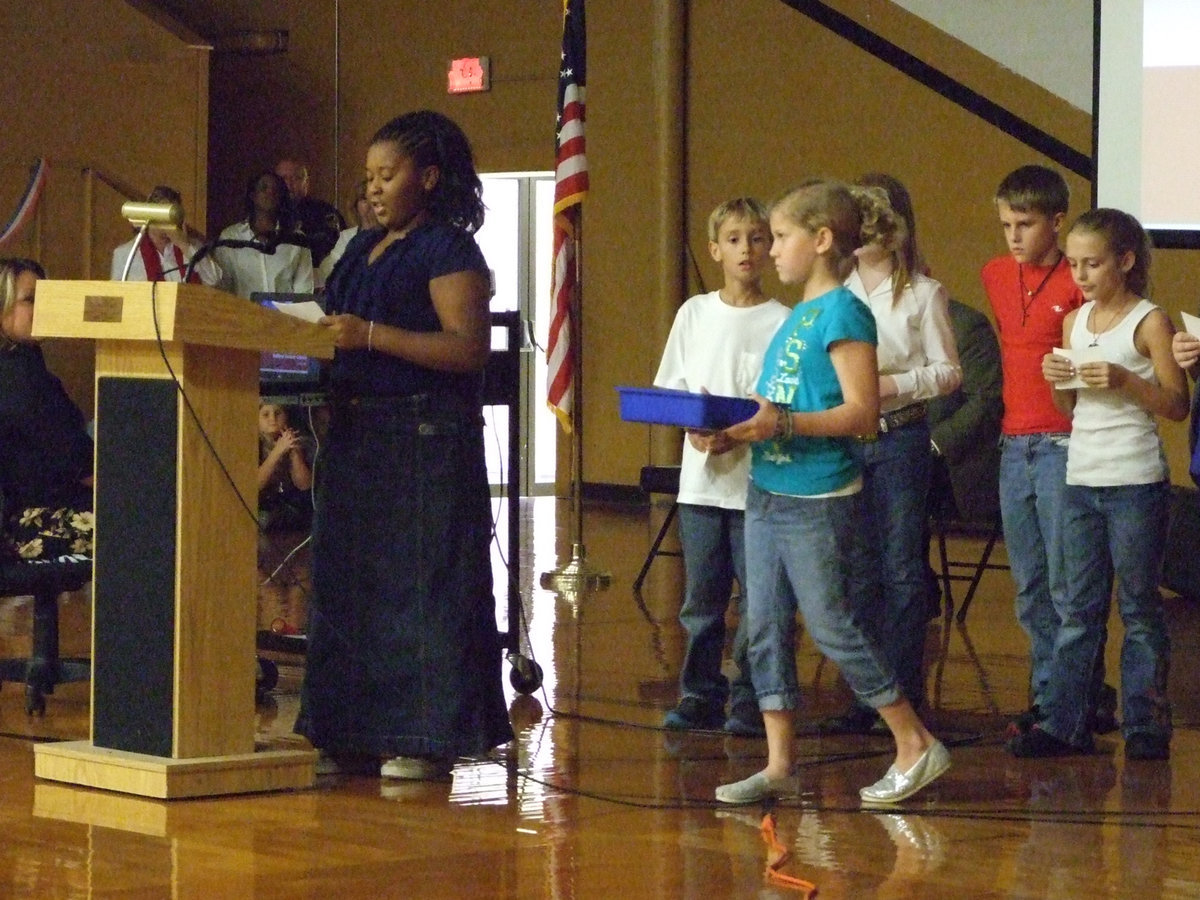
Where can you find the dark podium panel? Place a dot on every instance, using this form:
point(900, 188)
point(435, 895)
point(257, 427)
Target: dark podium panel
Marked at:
point(136, 505)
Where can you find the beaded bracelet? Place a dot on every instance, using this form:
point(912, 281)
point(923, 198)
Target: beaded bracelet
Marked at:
point(784, 426)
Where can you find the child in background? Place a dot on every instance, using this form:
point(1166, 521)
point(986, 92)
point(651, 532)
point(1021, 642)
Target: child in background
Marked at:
point(716, 345)
point(1117, 496)
point(918, 360)
point(284, 472)
point(1031, 291)
point(818, 389)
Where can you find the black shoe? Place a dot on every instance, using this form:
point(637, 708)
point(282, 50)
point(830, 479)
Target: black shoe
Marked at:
point(745, 720)
point(693, 714)
point(1142, 745)
point(856, 720)
point(1104, 717)
point(1036, 743)
point(1025, 721)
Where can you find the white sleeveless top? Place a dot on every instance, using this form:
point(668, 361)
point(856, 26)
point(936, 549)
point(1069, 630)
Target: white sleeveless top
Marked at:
point(1113, 440)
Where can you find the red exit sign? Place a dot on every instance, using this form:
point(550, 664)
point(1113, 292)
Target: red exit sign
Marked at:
point(468, 74)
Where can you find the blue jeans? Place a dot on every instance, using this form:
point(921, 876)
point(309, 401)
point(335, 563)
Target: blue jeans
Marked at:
point(799, 555)
point(713, 555)
point(1033, 480)
point(1123, 530)
point(891, 589)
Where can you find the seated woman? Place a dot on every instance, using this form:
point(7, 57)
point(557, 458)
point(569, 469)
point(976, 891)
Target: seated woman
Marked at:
point(45, 451)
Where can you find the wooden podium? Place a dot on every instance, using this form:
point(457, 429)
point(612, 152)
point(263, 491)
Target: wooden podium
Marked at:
point(173, 630)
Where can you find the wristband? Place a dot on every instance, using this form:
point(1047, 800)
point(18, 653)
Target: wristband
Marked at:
point(784, 427)
point(370, 336)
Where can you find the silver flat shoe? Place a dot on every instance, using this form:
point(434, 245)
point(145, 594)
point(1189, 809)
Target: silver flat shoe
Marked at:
point(757, 787)
point(896, 785)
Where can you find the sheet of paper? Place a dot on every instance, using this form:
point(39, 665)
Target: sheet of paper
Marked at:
point(1078, 357)
point(309, 310)
point(1191, 324)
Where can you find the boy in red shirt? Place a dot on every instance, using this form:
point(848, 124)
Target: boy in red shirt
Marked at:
point(1031, 291)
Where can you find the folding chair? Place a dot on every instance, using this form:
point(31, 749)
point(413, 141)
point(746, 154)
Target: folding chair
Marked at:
point(659, 480)
point(945, 521)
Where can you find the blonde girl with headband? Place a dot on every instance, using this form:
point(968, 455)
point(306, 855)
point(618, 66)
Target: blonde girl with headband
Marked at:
point(918, 360)
point(819, 389)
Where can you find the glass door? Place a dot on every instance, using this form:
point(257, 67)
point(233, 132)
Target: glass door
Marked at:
point(516, 241)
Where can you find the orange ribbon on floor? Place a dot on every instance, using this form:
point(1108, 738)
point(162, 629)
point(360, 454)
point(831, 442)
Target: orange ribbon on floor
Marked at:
point(777, 857)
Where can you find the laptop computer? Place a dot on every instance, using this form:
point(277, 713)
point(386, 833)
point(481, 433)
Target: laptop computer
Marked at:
point(287, 374)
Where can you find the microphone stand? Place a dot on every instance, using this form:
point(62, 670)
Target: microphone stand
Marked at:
point(137, 242)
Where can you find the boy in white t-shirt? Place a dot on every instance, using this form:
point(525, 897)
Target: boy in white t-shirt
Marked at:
point(716, 345)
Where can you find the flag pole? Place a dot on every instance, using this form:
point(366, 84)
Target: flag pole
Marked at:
point(577, 574)
point(565, 348)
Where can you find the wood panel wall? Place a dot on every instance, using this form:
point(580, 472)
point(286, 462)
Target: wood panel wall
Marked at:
point(97, 84)
point(690, 101)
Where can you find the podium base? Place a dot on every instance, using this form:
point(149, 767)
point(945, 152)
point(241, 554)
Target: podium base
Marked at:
point(79, 762)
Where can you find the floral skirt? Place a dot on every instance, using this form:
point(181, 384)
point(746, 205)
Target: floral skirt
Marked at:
point(40, 532)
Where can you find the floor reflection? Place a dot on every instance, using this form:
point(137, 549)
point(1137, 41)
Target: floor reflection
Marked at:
point(593, 799)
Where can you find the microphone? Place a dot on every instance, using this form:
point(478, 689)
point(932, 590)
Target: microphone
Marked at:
point(230, 243)
point(294, 239)
point(143, 214)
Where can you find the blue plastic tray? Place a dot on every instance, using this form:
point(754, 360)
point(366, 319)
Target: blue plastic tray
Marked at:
point(663, 406)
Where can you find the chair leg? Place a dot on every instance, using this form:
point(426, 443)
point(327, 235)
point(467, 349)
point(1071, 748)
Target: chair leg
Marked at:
point(42, 672)
point(944, 558)
point(980, 568)
point(662, 533)
point(46, 668)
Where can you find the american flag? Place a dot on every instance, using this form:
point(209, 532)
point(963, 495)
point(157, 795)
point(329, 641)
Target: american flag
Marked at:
point(570, 187)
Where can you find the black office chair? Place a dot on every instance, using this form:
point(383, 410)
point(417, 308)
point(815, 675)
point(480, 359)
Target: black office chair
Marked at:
point(659, 480)
point(45, 580)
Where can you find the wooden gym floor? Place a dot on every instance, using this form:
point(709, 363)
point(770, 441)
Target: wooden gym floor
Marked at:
point(594, 800)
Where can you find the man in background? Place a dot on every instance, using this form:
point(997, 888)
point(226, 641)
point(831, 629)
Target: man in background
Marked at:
point(319, 221)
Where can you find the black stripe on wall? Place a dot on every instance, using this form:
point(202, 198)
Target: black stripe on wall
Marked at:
point(954, 91)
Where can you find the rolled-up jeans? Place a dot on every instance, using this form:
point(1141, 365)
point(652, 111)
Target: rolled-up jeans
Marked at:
point(799, 555)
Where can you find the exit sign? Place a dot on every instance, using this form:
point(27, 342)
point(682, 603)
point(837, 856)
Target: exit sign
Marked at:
point(469, 74)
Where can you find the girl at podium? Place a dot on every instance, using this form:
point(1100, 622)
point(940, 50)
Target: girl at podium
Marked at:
point(403, 673)
point(45, 450)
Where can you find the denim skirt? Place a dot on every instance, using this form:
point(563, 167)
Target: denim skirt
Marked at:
point(404, 656)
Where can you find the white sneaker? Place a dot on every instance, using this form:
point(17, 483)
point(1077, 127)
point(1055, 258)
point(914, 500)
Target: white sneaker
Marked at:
point(417, 768)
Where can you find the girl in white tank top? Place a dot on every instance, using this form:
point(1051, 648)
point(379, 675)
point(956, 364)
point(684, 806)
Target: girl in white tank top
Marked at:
point(1119, 378)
